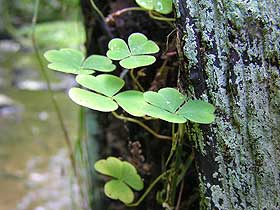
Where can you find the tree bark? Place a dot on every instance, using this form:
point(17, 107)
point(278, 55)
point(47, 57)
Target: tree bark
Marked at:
point(231, 52)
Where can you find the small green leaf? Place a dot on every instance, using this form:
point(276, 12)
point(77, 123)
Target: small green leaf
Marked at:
point(105, 84)
point(157, 112)
point(168, 99)
point(130, 176)
point(173, 98)
point(118, 49)
point(73, 62)
point(117, 190)
point(99, 63)
point(161, 6)
point(140, 45)
point(111, 167)
point(66, 60)
point(198, 111)
point(92, 100)
point(146, 4)
point(124, 175)
point(134, 54)
point(133, 62)
point(132, 102)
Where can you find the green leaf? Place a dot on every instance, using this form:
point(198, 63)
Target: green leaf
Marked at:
point(132, 102)
point(118, 49)
point(161, 6)
point(117, 190)
point(125, 175)
point(133, 62)
point(92, 100)
point(66, 60)
point(99, 63)
point(157, 112)
point(140, 45)
point(134, 54)
point(174, 99)
point(130, 176)
point(105, 84)
point(168, 99)
point(146, 4)
point(73, 62)
point(111, 167)
point(198, 111)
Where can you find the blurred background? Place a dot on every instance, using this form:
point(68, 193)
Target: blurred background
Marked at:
point(34, 166)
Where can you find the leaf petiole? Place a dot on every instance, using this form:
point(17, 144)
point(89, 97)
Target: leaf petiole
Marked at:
point(159, 136)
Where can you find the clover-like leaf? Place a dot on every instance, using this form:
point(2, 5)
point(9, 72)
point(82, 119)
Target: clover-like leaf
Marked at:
point(164, 103)
point(99, 63)
point(132, 102)
point(105, 84)
point(157, 112)
point(161, 6)
point(135, 54)
point(73, 62)
point(118, 49)
point(198, 111)
point(117, 190)
point(124, 176)
point(92, 100)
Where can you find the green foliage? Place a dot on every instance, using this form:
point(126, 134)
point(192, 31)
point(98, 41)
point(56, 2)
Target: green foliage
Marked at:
point(124, 177)
point(56, 34)
point(161, 6)
point(102, 93)
point(134, 54)
point(104, 85)
point(198, 111)
point(73, 61)
point(167, 104)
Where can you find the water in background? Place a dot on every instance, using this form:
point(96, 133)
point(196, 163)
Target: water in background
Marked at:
point(34, 168)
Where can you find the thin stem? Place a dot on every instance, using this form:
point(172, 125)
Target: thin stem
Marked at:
point(149, 189)
point(97, 10)
point(160, 18)
point(142, 125)
point(180, 196)
point(135, 80)
point(112, 16)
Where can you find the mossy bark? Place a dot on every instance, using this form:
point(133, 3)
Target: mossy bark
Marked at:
point(231, 51)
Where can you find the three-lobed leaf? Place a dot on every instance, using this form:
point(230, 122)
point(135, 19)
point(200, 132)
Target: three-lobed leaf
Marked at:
point(161, 6)
point(135, 54)
point(124, 176)
point(170, 105)
point(74, 62)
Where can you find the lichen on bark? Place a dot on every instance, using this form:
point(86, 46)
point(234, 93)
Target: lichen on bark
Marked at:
point(232, 53)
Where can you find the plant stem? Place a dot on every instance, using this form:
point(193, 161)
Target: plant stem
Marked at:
point(135, 80)
point(142, 125)
point(149, 189)
point(112, 16)
point(160, 17)
point(122, 11)
point(97, 10)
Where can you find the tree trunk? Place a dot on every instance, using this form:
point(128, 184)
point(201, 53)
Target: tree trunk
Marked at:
point(231, 52)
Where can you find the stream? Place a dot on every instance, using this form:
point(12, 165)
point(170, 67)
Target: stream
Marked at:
point(35, 173)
